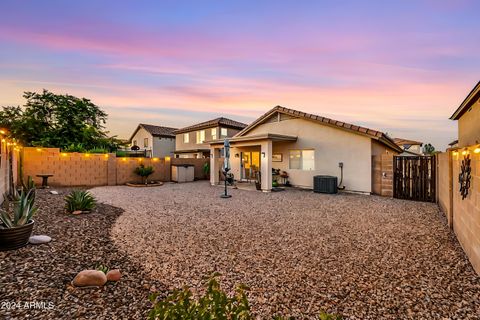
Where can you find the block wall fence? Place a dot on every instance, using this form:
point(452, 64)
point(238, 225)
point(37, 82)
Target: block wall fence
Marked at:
point(7, 178)
point(82, 169)
point(382, 175)
point(463, 215)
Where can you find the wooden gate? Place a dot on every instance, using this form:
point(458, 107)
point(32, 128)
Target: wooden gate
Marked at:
point(414, 178)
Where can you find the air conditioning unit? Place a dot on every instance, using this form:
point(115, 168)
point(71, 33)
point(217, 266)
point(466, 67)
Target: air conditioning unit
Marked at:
point(325, 184)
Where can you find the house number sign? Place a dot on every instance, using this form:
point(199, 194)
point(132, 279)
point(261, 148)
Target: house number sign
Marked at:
point(465, 176)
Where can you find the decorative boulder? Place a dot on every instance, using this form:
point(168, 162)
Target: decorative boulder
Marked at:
point(114, 275)
point(39, 239)
point(77, 212)
point(88, 278)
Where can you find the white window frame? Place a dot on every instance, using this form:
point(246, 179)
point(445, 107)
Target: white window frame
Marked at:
point(145, 142)
point(301, 157)
point(186, 137)
point(223, 132)
point(214, 133)
point(200, 136)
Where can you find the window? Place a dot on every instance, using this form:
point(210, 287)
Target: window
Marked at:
point(214, 134)
point(145, 142)
point(302, 159)
point(200, 136)
point(186, 138)
point(223, 132)
point(134, 142)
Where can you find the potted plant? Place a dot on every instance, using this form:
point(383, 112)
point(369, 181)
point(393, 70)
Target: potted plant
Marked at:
point(16, 220)
point(144, 172)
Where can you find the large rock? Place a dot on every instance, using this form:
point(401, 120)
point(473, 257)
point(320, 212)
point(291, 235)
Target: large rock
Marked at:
point(39, 239)
point(114, 275)
point(88, 278)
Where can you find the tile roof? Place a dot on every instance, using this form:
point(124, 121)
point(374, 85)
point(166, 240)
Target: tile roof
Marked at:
point(158, 130)
point(224, 122)
point(377, 135)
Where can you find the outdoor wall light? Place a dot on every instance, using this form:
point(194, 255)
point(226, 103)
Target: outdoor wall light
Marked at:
point(155, 159)
point(464, 152)
point(38, 149)
point(64, 154)
point(106, 155)
point(124, 159)
point(167, 158)
point(237, 155)
point(3, 132)
point(477, 150)
point(263, 154)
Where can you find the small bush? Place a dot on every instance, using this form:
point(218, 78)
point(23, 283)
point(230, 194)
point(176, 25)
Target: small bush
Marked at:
point(144, 172)
point(215, 304)
point(79, 200)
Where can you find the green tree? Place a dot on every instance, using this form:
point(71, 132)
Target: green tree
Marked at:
point(428, 149)
point(53, 120)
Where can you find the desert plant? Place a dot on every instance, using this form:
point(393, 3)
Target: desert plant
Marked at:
point(74, 148)
point(79, 200)
point(144, 172)
point(22, 212)
point(214, 304)
point(102, 268)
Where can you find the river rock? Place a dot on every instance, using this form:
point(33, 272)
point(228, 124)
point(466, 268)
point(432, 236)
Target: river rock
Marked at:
point(39, 239)
point(87, 278)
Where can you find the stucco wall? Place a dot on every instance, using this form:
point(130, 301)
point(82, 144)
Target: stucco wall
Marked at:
point(468, 126)
point(331, 147)
point(140, 136)
point(180, 145)
point(163, 147)
point(444, 184)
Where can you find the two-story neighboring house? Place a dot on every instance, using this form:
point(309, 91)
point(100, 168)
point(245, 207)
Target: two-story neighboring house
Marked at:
point(410, 147)
point(191, 141)
point(157, 141)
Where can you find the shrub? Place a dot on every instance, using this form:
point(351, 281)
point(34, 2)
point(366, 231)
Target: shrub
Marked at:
point(23, 209)
point(144, 172)
point(79, 200)
point(215, 304)
point(75, 148)
point(98, 150)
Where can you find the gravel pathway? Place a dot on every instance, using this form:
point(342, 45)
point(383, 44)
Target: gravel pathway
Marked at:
point(365, 257)
point(35, 281)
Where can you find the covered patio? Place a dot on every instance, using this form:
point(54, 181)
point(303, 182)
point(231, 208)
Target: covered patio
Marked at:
point(249, 156)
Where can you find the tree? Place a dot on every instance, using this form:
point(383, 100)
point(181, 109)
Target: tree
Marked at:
point(53, 120)
point(428, 149)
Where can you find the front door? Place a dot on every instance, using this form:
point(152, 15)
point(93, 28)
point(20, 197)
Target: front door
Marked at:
point(250, 165)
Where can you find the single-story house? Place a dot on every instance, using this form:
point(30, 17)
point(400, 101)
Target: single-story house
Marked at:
point(410, 147)
point(156, 141)
point(303, 145)
point(191, 141)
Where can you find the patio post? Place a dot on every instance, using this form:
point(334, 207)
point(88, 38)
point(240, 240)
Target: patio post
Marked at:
point(266, 165)
point(214, 179)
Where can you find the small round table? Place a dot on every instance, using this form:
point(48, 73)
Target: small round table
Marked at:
point(44, 179)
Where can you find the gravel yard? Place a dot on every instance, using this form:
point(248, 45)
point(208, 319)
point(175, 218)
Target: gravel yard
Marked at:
point(42, 274)
point(364, 257)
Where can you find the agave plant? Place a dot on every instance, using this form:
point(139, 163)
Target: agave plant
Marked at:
point(22, 212)
point(144, 172)
point(80, 200)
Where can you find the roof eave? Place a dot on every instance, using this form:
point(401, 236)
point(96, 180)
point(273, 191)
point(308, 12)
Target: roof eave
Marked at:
point(466, 103)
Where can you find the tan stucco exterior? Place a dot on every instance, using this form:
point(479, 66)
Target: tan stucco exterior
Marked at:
point(469, 126)
point(181, 146)
point(331, 146)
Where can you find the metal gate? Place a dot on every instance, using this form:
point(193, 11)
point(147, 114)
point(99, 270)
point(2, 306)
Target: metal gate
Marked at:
point(414, 178)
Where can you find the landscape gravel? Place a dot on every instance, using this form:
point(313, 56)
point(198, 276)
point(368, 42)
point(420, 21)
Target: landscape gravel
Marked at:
point(364, 257)
point(35, 281)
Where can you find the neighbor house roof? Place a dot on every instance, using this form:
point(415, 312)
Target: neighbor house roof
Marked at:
point(374, 134)
point(471, 98)
point(402, 142)
point(156, 131)
point(224, 122)
point(454, 142)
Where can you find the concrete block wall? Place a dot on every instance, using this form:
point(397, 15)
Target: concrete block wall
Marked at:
point(464, 214)
point(382, 175)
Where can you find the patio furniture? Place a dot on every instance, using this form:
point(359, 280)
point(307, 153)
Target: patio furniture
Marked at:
point(44, 177)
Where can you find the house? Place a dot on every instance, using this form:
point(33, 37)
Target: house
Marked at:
point(157, 141)
point(410, 147)
point(191, 142)
point(303, 145)
point(453, 144)
point(468, 117)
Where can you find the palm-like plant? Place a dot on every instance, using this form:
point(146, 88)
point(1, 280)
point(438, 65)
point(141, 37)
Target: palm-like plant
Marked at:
point(80, 200)
point(22, 212)
point(144, 172)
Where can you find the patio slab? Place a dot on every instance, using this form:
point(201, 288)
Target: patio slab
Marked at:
point(365, 257)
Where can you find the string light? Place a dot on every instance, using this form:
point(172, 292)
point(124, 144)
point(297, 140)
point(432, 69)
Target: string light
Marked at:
point(477, 150)
point(155, 159)
point(464, 152)
point(64, 154)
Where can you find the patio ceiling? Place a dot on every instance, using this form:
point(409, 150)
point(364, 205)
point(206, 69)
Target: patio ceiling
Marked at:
point(265, 136)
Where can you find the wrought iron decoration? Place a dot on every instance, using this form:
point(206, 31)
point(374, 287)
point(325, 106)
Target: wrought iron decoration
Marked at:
point(465, 176)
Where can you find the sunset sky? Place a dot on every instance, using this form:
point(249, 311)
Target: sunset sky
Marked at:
point(401, 68)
